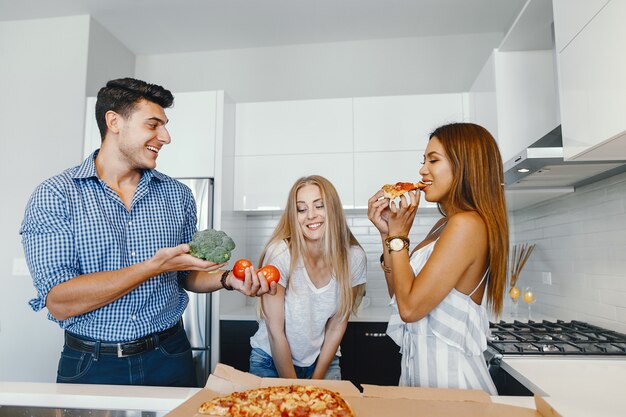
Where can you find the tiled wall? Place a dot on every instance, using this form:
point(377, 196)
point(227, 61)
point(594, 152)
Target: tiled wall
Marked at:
point(581, 240)
point(261, 226)
point(580, 237)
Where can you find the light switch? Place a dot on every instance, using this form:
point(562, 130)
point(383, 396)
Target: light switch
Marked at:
point(20, 268)
point(546, 278)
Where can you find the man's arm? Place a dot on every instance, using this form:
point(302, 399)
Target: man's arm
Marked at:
point(85, 293)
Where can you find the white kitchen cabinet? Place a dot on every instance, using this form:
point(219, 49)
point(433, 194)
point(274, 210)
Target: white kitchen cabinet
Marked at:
point(593, 87)
point(192, 123)
point(294, 127)
point(262, 182)
point(515, 98)
point(483, 108)
point(192, 127)
point(372, 170)
point(527, 98)
point(400, 123)
point(571, 16)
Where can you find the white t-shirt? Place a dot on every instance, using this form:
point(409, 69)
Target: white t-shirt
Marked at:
point(307, 308)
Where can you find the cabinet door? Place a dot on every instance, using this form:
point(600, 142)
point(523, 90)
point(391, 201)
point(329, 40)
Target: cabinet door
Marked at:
point(593, 88)
point(482, 98)
point(376, 357)
point(372, 170)
point(235, 342)
point(192, 123)
point(527, 99)
point(263, 182)
point(402, 123)
point(571, 16)
point(294, 127)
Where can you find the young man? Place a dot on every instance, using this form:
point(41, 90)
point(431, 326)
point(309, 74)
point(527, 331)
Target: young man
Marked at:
point(106, 244)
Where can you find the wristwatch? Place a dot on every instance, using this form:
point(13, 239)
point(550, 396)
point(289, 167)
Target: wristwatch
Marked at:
point(397, 243)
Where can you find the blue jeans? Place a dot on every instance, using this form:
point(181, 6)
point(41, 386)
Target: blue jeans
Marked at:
point(262, 364)
point(170, 364)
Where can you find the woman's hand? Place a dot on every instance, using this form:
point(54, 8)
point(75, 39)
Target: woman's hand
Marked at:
point(254, 283)
point(378, 211)
point(402, 214)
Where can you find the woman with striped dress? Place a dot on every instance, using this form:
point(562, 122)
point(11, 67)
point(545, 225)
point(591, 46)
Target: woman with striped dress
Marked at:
point(440, 289)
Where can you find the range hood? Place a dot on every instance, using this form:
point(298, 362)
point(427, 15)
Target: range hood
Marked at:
point(541, 166)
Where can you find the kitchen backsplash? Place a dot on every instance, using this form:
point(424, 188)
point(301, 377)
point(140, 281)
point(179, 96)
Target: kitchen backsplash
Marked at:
point(581, 240)
point(260, 227)
point(580, 237)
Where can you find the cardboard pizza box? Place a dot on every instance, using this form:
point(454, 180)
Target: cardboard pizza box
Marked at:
point(375, 401)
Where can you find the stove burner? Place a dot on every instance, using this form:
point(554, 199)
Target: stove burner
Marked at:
point(550, 348)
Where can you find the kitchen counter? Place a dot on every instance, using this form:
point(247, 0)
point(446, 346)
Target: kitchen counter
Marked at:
point(575, 387)
point(158, 399)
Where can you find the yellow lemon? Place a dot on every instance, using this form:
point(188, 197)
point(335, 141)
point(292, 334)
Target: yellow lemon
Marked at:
point(514, 293)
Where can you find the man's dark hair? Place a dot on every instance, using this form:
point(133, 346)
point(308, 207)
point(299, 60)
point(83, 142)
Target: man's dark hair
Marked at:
point(122, 94)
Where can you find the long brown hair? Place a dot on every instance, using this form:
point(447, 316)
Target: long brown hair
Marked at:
point(478, 185)
point(337, 239)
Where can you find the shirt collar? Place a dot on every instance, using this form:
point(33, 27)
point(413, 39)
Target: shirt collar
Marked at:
point(88, 169)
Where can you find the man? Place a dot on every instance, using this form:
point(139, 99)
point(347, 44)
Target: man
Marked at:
point(106, 244)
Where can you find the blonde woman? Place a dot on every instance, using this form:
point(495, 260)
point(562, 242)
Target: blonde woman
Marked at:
point(438, 289)
point(323, 270)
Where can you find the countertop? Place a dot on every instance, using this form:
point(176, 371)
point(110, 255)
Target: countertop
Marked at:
point(573, 387)
point(158, 399)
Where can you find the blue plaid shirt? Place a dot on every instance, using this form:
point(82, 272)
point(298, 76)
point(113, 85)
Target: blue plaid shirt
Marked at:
point(75, 224)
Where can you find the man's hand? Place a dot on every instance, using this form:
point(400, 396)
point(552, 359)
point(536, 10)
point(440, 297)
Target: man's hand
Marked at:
point(178, 259)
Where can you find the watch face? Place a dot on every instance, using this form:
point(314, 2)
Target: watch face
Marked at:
point(396, 244)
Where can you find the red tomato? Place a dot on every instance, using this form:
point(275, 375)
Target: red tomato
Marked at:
point(271, 273)
point(239, 270)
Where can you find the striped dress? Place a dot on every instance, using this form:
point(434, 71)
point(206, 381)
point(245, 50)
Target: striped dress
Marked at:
point(445, 348)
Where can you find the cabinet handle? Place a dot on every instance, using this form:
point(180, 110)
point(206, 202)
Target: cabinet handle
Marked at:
point(368, 334)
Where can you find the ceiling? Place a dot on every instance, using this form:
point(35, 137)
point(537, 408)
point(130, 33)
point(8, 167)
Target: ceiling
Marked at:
point(164, 26)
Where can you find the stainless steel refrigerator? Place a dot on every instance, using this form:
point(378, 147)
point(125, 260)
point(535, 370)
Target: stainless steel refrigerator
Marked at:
point(197, 316)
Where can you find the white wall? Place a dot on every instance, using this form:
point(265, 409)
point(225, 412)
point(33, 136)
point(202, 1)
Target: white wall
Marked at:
point(581, 240)
point(42, 79)
point(45, 66)
point(108, 59)
point(442, 64)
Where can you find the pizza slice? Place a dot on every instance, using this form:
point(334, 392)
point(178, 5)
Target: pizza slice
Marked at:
point(279, 401)
point(392, 191)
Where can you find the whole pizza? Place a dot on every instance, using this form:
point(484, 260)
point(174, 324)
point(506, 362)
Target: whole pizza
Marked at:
point(280, 401)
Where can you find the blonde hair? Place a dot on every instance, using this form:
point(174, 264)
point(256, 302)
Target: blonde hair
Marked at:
point(478, 185)
point(337, 240)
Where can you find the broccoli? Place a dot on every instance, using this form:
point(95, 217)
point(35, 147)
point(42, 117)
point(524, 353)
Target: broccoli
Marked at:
point(211, 245)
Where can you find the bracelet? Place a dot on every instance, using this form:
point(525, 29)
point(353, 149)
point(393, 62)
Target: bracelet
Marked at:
point(223, 280)
point(382, 264)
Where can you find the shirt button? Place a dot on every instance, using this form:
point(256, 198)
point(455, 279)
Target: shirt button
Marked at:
point(132, 253)
point(130, 222)
point(133, 317)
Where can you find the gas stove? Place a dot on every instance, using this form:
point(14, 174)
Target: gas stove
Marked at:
point(555, 338)
point(546, 339)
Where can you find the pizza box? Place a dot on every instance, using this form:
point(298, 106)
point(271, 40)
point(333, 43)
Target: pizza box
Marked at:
point(375, 401)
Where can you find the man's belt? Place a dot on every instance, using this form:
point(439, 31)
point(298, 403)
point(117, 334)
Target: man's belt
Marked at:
point(134, 347)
